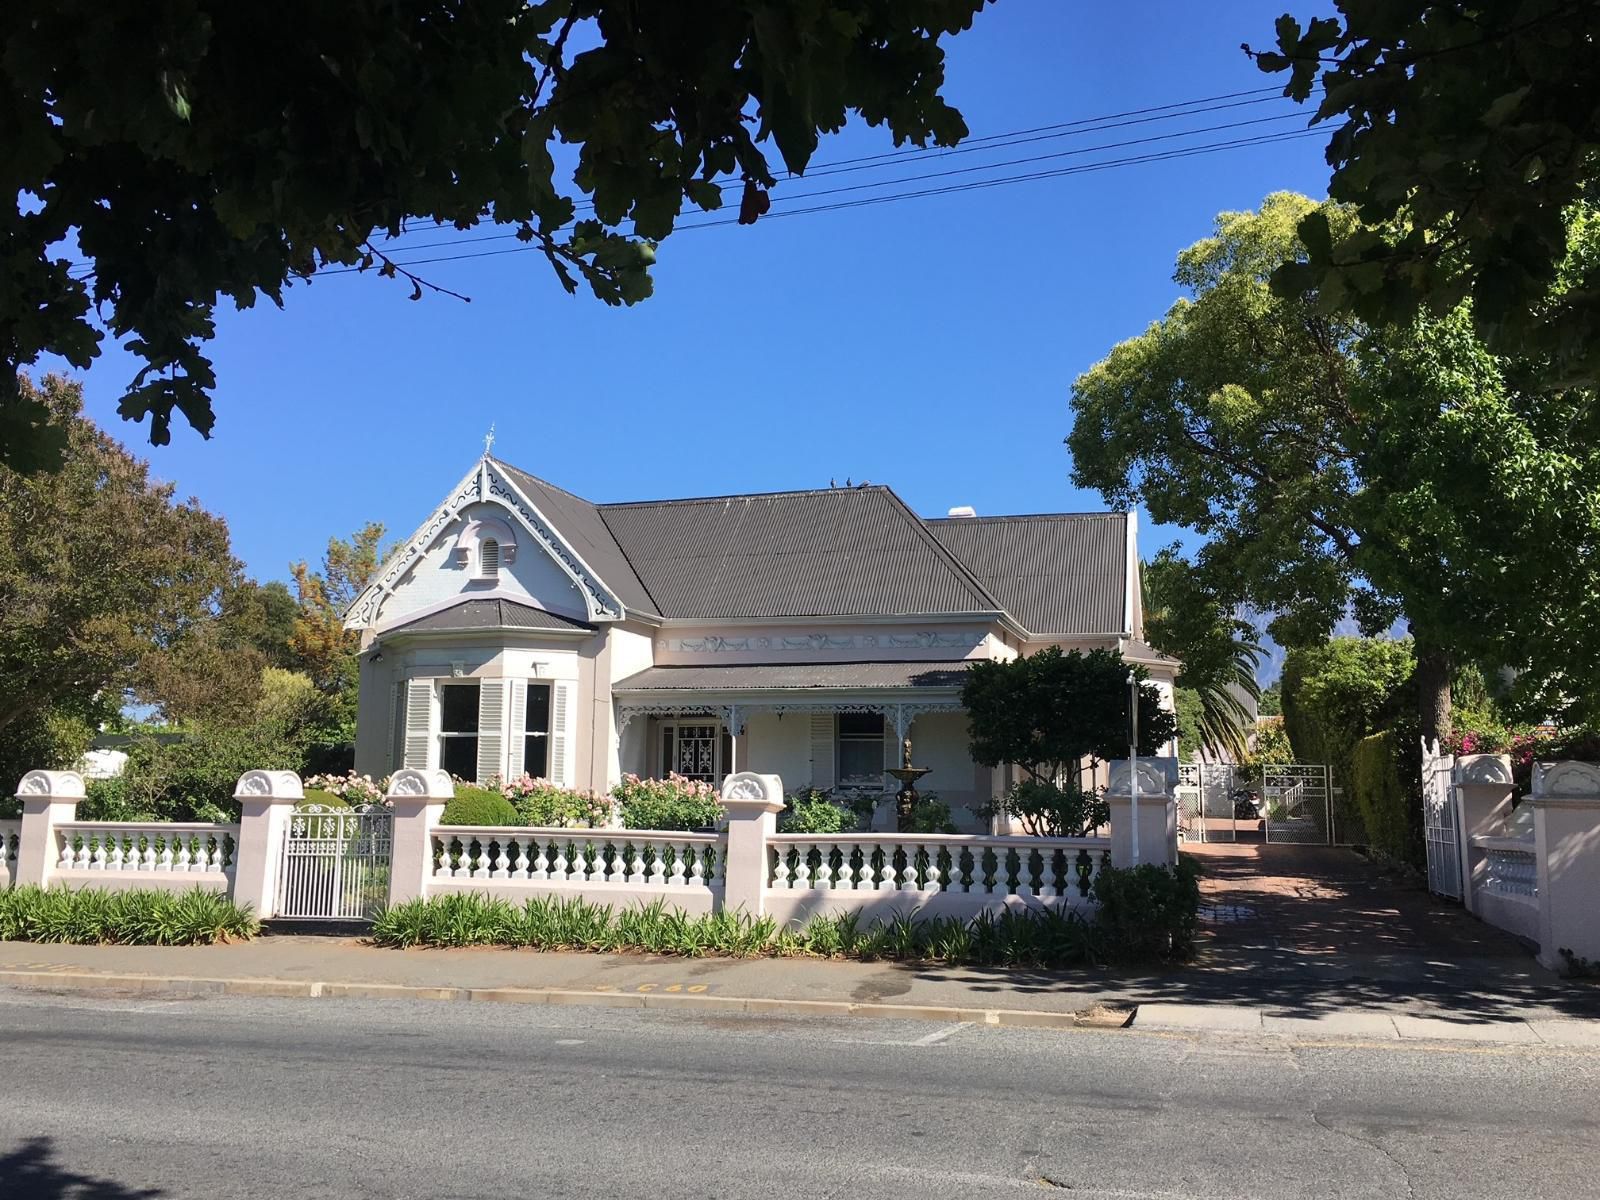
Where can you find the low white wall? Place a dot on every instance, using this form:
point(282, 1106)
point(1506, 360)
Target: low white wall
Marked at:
point(1518, 915)
point(143, 881)
point(799, 907)
point(696, 901)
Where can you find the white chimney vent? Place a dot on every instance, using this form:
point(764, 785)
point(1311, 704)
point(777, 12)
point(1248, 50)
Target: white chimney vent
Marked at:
point(962, 510)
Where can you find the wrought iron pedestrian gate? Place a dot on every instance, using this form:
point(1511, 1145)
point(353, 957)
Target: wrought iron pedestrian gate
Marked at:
point(335, 863)
point(1207, 804)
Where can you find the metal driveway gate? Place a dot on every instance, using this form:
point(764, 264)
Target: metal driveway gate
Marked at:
point(1206, 809)
point(1439, 822)
point(1298, 798)
point(335, 863)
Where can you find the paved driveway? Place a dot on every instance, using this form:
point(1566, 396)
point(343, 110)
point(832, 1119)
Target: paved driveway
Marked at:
point(1309, 929)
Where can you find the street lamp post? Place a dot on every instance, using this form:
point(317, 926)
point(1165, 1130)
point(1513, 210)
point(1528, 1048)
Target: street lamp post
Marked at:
point(1133, 761)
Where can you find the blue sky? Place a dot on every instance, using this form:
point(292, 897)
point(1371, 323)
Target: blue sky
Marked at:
point(929, 344)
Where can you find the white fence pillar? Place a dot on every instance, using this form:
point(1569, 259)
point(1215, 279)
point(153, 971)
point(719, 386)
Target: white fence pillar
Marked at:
point(1153, 836)
point(1566, 830)
point(1483, 789)
point(49, 798)
point(417, 799)
point(266, 801)
point(753, 803)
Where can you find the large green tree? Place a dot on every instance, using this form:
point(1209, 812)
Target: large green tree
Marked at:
point(1334, 467)
point(1468, 134)
point(320, 644)
point(102, 572)
point(167, 156)
point(1219, 651)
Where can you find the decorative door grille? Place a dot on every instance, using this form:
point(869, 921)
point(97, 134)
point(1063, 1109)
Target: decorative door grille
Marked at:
point(335, 863)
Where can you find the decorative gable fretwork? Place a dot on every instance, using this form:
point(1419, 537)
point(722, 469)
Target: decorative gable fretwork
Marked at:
point(485, 484)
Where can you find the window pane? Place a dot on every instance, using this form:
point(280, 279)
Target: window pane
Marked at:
point(538, 719)
point(534, 760)
point(858, 725)
point(459, 756)
point(458, 708)
point(861, 762)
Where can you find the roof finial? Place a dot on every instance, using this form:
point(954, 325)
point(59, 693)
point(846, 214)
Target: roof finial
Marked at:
point(488, 440)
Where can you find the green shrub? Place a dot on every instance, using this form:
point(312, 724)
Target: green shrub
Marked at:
point(474, 805)
point(546, 805)
point(672, 803)
point(1046, 810)
point(134, 918)
point(322, 796)
point(1337, 693)
point(1391, 811)
point(1149, 912)
point(930, 815)
point(108, 800)
point(815, 811)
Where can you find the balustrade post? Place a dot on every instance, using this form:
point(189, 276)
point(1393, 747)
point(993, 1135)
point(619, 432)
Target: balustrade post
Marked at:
point(1566, 831)
point(1156, 837)
point(49, 798)
point(1483, 790)
point(417, 800)
point(266, 801)
point(752, 802)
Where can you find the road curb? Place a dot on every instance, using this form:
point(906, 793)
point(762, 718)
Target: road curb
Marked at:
point(183, 986)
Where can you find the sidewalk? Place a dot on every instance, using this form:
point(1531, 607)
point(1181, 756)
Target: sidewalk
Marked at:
point(334, 968)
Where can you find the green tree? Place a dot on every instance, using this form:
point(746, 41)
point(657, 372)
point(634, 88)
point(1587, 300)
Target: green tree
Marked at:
point(1049, 711)
point(1464, 130)
point(1218, 650)
point(1342, 691)
point(320, 644)
point(102, 573)
point(197, 150)
point(1334, 467)
point(1271, 703)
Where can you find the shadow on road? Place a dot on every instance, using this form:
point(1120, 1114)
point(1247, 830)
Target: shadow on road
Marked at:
point(31, 1172)
point(1302, 931)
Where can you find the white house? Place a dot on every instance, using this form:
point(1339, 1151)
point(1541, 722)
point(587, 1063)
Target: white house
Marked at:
point(804, 634)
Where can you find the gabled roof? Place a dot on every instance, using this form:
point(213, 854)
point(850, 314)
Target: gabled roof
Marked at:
point(837, 552)
point(490, 613)
point(1058, 574)
point(585, 530)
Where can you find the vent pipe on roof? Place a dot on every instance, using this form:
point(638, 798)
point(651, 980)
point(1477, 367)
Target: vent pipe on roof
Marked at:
point(962, 510)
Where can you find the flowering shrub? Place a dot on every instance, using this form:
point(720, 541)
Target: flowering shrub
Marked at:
point(670, 803)
point(547, 805)
point(812, 810)
point(350, 789)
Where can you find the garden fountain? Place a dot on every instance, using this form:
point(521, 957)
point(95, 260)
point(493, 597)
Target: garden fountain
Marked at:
point(905, 799)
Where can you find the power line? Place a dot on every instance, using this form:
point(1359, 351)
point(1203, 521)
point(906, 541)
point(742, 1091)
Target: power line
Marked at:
point(947, 189)
point(784, 198)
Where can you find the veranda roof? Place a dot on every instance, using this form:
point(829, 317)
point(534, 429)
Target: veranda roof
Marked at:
point(758, 677)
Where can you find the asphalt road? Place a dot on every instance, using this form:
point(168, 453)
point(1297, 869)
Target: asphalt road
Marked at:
point(115, 1098)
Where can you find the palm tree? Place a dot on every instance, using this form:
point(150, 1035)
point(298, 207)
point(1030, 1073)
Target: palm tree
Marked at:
point(1219, 652)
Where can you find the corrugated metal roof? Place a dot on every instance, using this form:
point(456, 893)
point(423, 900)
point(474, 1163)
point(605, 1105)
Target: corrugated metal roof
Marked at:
point(580, 523)
point(831, 553)
point(1057, 574)
point(489, 613)
point(796, 677)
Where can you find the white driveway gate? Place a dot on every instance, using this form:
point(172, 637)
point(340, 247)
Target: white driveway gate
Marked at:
point(335, 863)
point(1439, 822)
point(1298, 800)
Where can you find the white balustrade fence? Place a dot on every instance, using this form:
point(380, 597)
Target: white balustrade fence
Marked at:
point(10, 840)
point(170, 848)
point(572, 858)
point(1510, 865)
point(994, 867)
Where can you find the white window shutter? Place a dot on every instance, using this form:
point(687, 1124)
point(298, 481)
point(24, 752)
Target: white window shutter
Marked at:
point(491, 729)
point(419, 723)
point(560, 735)
point(823, 727)
point(519, 742)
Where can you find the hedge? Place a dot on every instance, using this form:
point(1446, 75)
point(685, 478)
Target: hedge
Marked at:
point(1391, 810)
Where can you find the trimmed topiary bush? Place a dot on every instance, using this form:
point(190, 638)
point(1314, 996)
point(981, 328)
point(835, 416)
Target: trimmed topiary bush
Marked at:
point(815, 811)
point(1149, 912)
point(323, 797)
point(474, 805)
point(1391, 811)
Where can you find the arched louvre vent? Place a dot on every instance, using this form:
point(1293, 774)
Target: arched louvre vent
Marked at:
point(489, 559)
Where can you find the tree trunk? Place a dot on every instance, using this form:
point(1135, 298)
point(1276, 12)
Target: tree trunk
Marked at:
point(1433, 692)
